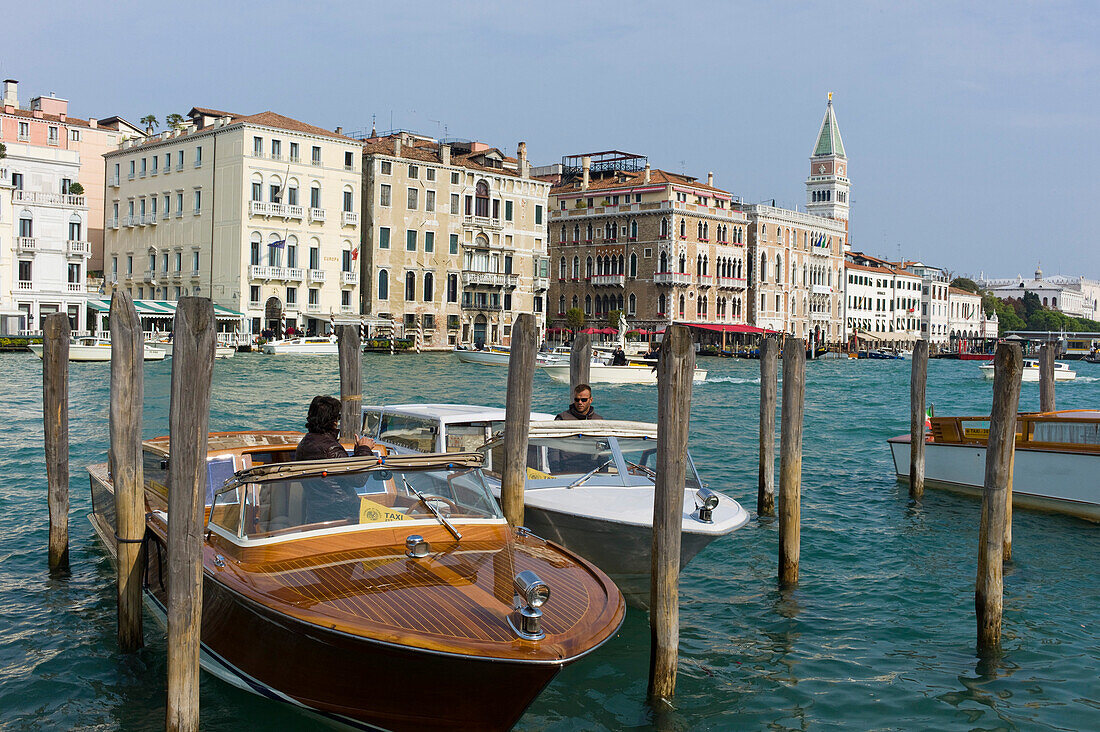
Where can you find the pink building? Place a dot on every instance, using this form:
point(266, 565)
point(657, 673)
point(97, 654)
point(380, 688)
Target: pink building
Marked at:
point(46, 123)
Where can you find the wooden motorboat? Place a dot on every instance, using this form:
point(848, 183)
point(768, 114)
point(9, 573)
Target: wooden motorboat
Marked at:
point(1056, 464)
point(98, 349)
point(377, 592)
point(307, 346)
point(606, 374)
point(1062, 372)
point(499, 355)
point(590, 488)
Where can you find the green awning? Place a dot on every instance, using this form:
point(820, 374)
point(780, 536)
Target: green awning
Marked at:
point(161, 309)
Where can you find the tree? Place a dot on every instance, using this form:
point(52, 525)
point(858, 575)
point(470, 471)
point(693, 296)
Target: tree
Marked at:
point(613, 318)
point(965, 283)
point(574, 318)
point(76, 189)
point(175, 121)
point(3, 150)
point(150, 121)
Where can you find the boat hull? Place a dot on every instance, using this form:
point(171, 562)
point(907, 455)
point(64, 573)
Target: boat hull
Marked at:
point(301, 349)
point(1046, 480)
point(485, 358)
point(599, 374)
point(94, 354)
point(1032, 375)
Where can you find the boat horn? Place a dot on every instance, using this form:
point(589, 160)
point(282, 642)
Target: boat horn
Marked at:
point(531, 594)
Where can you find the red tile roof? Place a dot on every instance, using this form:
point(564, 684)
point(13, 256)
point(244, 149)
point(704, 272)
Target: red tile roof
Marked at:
point(620, 180)
point(429, 153)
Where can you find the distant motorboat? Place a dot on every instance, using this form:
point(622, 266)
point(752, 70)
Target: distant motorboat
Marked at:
point(1031, 371)
point(308, 346)
point(499, 355)
point(605, 374)
point(98, 349)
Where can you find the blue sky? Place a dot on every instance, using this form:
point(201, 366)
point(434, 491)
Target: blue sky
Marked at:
point(972, 128)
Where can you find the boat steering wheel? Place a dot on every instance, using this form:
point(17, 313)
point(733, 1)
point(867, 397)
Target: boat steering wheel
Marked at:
point(427, 498)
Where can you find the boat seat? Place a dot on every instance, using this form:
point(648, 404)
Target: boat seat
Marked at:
point(284, 508)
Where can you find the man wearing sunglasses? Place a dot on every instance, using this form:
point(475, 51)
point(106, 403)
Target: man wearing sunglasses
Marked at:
point(581, 408)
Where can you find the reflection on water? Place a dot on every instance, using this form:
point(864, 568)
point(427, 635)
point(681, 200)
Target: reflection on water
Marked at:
point(879, 632)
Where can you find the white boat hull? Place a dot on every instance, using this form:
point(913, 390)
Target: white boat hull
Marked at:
point(301, 348)
point(1032, 374)
point(500, 358)
point(100, 353)
point(1063, 482)
point(600, 374)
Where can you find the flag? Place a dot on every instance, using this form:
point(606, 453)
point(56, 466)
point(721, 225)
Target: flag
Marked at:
point(355, 254)
point(279, 244)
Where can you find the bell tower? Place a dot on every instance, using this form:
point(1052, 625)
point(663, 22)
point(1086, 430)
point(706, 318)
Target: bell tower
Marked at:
point(828, 184)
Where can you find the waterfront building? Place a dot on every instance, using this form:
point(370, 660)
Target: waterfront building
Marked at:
point(46, 123)
point(934, 302)
point(659, 247)
point(881, 302)
point(12, 320)
point(258, 212)
point(1077, 297)
point(966, 320)
point(454, 239)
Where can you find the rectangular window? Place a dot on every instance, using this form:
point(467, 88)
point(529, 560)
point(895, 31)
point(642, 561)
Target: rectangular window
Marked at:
point(316, 157)
point(454, 203)
point(130, 264)
point(293, 152)
point(345, 298)
point(349, 161)
point(24, 131)
point(345, 262)
point(430, 173)
point(143, 164)
point(276, 150)
point(254, 254)
point(414, 171)
point(179, 204)
point(314, 296)
point(538, 214)
point(410, 240)
point(314, 258)
point(429, 241)
point(412, 199)
point(454, 179)
point(384, 237)
point(387, 167)
point(195, 261)
point(53, 136)
point(178, 261)
point(454, 244)
point(496, 208)
point(156, 163)
point(258, 146)
point(314, 197)
point(429, 200)
point(198, 201)
point(384, 195)
point(167, 162)
point(507, 210)
point(257, 191)
point(347, 201)
point(25, 270)
point(507, 301)
point(179, 160)
point(198, 156)
point(254, 293)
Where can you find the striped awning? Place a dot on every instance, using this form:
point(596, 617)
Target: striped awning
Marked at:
point(161, 309)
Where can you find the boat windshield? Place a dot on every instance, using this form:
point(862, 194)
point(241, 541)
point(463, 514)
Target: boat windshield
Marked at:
point(640, 455)
point(308, 503)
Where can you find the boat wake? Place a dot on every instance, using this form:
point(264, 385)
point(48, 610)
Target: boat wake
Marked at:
point(730, 380)
point(1086, 379)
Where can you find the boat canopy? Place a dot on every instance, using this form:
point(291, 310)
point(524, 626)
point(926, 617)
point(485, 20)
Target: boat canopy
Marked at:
point(161, 309)
point(343, 466)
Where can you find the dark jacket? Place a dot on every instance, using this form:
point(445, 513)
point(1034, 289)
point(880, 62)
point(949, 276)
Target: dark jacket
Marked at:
point(572, 413)
point(324, 446)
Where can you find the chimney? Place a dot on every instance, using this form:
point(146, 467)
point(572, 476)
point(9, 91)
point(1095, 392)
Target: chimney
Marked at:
point(397, 146)
point(11, 93)
point(93, 122)
point(445, 154)
point(646, 178)
point(586, 166)
point(521, 153)
point(339, 130)
point(710, 179)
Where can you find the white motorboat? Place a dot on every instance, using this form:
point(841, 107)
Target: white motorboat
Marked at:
point(307, 346)
point(435, 428)
point(1056, 464)
point(632, 373)
point(498, 356)
point(1062, 372)
point(98, 349)
point(220, 350)
point(590, 488)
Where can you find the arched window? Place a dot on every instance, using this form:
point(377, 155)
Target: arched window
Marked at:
point(576, 269)
point(383, 285)
point(563, 272)
point(561, 305)
point(663, 262)
point(683, 228)
point(429, 286)
point(315, 195)
point(410, 286)
point(588, 267)
point(779, 269)
point(587, 304)
point(599, 266)
point(275, 246)
point(292, 192)
point(588, 233)
point(632, 305)
point(683, 262)
point(699, 230)
point(706, 231)
point(633, 229)
point(576, 233)
point(620, 268)
point(608, 231)
point(661, 305)
point(561, 238)
point(763, 268)
point(575, 301)
point(664, 228)
point(683, 305)
point(633, 264)
point(481, 198)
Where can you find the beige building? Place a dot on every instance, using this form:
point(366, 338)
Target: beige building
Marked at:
point(454, 239)
point(657, 246)
point(882, 302)
point(258, 212)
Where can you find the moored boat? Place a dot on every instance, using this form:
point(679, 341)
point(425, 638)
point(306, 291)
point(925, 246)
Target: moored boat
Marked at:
point(607, 374)
point(307, 346)
point(342, 586)
point(98, 349)
point(1062, 372)
point(1055, 468)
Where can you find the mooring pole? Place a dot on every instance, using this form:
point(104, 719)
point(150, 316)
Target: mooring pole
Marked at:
point(517, 417)
point(127, 471)
point(188, 426)
point(989, 588)
point(769, 374)
point(790, 459)
point(580, 362)
point(1046, 377)
point(917, 383)
point(351, 381)
point(675, 370)
point(55, 424)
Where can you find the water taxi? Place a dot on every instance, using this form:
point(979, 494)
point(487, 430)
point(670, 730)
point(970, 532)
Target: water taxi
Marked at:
point(1062, 372)
point(98, 349)
point(307, 346)
point(1056, 466)
point(343, 586)
point(631, 373)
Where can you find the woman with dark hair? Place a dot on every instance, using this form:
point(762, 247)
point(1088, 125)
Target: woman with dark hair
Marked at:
point(322, 441)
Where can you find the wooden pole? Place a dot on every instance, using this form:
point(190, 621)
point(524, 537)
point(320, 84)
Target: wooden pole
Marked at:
point(675, 370)
point(989, 588)
point(517, 417)
point(790, 459)
point(1046, 377)
point(127, 472)
point(916, 419)
point(580, 361)
point(351, 381)
point(188, 425)
point(769, 374)
point(55, 424)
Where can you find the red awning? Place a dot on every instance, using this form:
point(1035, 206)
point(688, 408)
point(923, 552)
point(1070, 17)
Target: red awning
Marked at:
point(727, 328)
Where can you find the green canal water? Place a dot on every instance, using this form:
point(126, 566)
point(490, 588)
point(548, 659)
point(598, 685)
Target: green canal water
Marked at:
point(879, 633)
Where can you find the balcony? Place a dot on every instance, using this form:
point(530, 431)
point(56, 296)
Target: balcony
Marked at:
point(313, 307)
point(292, 307)
point(195, 274)
point(821, 290)
point(704, 280)
point(616, 280)
point(254, 304)
point(317, 214)
point(348, 309)
point(113, 181)
point(491, 279)
point(267, 210)
point(78, 247)
point(820, 316)
point(177, 275)
point(25, 285)
point(316, 275)
point(149, 219)
point(349, 278)
point(294, 274)
point(732, 283)
point(131, 220)
point(150, 276)
point(349, 218)
point(76, 287)
point(480, 305)
point(672, 278)
point(262, 272)
point(541, 283)
point(26, 244)
point(112, 223)
point(481, 222)
point(48, 199)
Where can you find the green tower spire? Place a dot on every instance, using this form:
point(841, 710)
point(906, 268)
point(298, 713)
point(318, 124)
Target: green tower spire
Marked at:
point(828, 140)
